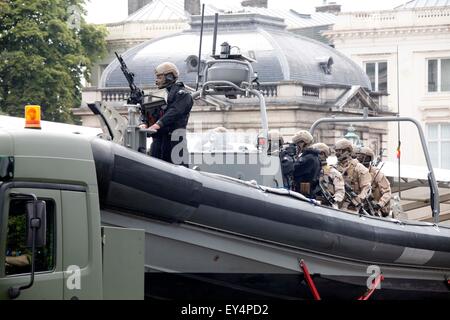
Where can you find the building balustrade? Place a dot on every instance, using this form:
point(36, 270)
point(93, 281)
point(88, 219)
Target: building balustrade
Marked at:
point(121, 94)
point(311, 91)
point(117, 96)
point(391, 19)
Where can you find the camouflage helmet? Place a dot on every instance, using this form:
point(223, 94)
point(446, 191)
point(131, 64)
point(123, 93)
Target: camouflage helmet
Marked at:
point(166, 68)
point(216, 132)
point(367, 152)
point(322, 147)
point(218, 137)
point(343, 144)
point(219, 129)
point(304, 136)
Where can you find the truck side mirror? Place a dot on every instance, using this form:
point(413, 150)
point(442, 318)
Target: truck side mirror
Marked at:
point(36, 231)
point(36, 219)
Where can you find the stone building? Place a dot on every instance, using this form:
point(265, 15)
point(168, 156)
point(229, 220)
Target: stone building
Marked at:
point(148, 19)
point(406, 53)
point(302, 79)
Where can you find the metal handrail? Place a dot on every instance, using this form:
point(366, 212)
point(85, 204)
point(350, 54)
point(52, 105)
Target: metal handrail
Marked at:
point(262, 100)
point(435, 205)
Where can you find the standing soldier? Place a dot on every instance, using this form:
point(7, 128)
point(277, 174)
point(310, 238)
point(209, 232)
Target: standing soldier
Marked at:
point(357, 177)
point(171, 127)
point(331, 181)
point(307, 165)
point(381, 188)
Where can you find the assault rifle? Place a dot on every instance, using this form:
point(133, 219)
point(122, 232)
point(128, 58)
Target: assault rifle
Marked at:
point(326, 194)
point(352, 196)
point(287, 160)
point(379, 158)
point(370, 200)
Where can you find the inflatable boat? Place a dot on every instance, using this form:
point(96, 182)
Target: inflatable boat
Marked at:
point(231, 238)
point(210, 235)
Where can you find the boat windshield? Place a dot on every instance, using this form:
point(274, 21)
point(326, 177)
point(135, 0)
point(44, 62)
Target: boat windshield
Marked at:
point(222, 140)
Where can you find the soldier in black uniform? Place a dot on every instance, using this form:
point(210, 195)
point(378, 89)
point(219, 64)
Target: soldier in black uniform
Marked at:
point(169, 142)
point(307, 166)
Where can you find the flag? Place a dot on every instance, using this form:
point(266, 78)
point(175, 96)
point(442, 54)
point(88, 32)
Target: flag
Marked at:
point(398, 150)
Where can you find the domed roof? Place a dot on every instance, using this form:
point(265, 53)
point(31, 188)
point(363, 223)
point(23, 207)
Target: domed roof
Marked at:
point(280, 55)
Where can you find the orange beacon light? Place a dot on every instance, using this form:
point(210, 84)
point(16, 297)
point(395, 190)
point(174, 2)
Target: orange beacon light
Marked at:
point(32, 117)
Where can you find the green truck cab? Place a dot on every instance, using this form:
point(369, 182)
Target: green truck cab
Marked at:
point(49, 196)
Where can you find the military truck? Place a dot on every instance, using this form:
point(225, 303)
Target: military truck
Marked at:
point(55, 242)
point(52, 244)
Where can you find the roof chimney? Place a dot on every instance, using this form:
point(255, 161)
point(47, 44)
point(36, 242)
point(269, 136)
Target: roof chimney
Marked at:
point(331, 7)
point(135, 5)
point(254, 3)
point(192, 6)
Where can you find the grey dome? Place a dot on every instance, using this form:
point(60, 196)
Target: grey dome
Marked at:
point(280, 55)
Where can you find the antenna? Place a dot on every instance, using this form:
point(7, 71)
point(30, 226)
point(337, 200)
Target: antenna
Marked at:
point(216, 22)
point(398, 128)
point(200, 48)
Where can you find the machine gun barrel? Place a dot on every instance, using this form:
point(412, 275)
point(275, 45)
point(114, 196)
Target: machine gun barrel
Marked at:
point(136, 94)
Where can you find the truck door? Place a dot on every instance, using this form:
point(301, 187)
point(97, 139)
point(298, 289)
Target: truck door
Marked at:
point(15, 256)
point(81, 247)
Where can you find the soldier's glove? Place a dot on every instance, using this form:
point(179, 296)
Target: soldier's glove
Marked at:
point(357, 201)
point(363, 211)
point(376, 206)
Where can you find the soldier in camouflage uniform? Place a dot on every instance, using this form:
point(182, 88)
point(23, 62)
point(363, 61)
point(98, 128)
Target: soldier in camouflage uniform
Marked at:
point(330, 179)
point(381, 188)
point(356, 176)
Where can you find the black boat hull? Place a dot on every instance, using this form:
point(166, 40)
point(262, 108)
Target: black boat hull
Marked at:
point(220, 286)
point(198, 216)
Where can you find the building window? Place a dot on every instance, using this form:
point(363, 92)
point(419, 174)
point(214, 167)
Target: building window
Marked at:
point(438, 75)
point(377, 73)
point(438, 135)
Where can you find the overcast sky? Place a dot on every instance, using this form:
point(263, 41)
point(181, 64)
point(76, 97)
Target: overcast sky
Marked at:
point(104, 11)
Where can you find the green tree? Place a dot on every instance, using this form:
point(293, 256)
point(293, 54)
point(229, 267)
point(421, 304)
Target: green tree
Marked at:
point(46, 48)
